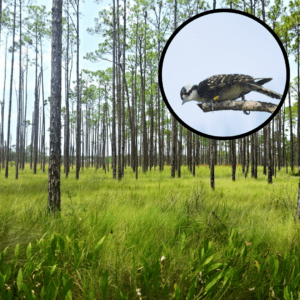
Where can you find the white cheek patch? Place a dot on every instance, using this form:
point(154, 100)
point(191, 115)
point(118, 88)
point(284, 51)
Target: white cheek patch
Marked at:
point(193, 96)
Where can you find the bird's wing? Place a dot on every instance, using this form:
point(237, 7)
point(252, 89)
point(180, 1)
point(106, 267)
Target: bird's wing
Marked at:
point(212, 86)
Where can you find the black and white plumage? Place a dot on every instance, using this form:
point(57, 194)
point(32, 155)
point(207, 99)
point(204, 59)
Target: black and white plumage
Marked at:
point(225, 87)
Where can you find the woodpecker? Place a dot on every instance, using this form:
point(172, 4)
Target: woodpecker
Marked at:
point(225, 87)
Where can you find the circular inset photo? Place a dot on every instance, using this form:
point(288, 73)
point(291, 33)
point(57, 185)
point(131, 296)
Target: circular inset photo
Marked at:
point(224, 74)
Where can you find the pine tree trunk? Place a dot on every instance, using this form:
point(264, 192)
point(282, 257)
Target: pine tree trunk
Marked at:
point(36, 107)
point(10, 92)
point(174, 122)
point(179, 152)
point(269, 153)
point(67, 119)
point(212, 163)
point(20, 100)
point(78, 129)
point(2, 154)
point(194, 154)
point(114, 158)
point(233, 159)
point(123, 91)
point(119, 115)
point(291, 135)
point(247, 156)
point(255, 154)
point(55, 108)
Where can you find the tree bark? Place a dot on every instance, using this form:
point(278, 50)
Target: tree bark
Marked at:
point(10, 92)
point(55, 109)
point(78, 129)
point(36, 106)
point(212, 163)
point(291, 135)
point(233, 159)
point(269, 153)
point(20, 100)
point(67, 119)
point(2, 111)
point(114, 158)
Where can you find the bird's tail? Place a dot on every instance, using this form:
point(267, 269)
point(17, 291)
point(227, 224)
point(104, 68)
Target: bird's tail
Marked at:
point(263, 90)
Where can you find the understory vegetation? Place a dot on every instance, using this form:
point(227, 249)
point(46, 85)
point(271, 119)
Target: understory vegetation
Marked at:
point(153, 238)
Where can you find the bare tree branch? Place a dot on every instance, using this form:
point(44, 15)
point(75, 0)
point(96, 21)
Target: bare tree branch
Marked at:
point(243, 105)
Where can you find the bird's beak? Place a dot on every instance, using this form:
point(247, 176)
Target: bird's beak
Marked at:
point(184, 101)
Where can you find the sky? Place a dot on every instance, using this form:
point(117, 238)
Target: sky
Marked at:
point(89, 11)
point(222, 43)
point(205, 67)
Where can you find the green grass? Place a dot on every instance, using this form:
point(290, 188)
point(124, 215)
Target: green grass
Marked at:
point(153, 238)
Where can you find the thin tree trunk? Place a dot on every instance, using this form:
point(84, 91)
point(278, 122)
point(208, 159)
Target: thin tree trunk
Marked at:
point(123, 91)
point(43, 152)
point(20, 100)
point(10, 92)
point(118, 78)
point(212, 164)
point(114, 158)
point(78, 129)
point(269, 154)
point(2, 111)
point(36, 107)
point(233, 159)
point(174, 122)
point(67, 123)
point(291, 135)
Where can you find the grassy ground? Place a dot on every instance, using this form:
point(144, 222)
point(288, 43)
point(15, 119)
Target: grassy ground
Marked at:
point(152, 238)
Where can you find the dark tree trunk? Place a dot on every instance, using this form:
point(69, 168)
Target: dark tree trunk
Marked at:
point(265, 151)
point(36, 107)
point(2, 154)
point(212, 163)
point(78, 129)
point(123, 92)
point(55, 108)
point(255, 154)
point(179, 152)
point(10, 93)
point(67, 119)
point(269, 153)
point(252, 155)
point(20, 100)
point(43, 152)
point(233, 159)
point(247, 154)
point(119, 114)
point(174, 122)
point(114, 158)
point(243, 154)
point(291, 135)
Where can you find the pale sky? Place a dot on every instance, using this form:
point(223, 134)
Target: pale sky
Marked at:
point(222, 43)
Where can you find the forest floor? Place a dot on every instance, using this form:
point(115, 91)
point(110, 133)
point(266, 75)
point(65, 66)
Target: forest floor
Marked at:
point(153, 238)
